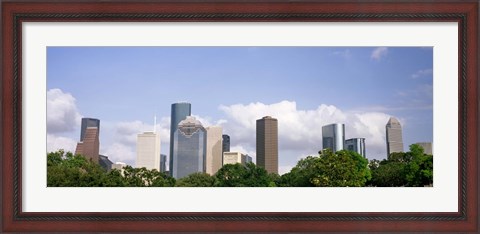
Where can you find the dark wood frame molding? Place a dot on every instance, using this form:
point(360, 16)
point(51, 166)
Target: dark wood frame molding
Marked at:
point(14, 13)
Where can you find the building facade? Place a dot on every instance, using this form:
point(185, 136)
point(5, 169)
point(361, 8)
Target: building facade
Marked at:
point(148, 151)
point(89, 146)
point(394, 136)
point(179, 112)
point(89, 122)
point(427, 147)
point(163, 163)
point(225, 143)
point(189, 148)
point(234, 157)
point(267, 144)
point(356, 145)
point(333, 137)
point(104, 162)
point(214, 158)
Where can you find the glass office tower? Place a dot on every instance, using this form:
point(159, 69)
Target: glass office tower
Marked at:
point(356, 145)
point(189, 148)
point(180, 111)
point(225, 143)
point(333, 137)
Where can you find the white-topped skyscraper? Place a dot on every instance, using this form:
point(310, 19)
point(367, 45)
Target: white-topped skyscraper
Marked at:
point(333, 137)
point(394, 136)
point(148, 149)
point(179, 112)
point(189, 148)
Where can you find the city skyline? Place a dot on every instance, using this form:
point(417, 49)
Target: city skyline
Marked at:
point(313, 86)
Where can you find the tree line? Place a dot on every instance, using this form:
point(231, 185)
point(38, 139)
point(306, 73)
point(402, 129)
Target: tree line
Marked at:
point(328, 169)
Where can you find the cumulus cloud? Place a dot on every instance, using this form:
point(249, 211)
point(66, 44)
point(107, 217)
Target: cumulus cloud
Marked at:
point(301, 130)
point(121, 138)
point(379, 53)
point(117, 152)
point(422, 73)
point(55, 143)
point(62, 112)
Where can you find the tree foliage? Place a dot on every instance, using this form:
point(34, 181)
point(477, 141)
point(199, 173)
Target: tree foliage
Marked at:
point(199, 179)
point(238, 175)
point(68, 170)
point(340, 169)
point(413, 169)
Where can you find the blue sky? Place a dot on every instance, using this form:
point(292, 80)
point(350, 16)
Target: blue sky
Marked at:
point(303, 87)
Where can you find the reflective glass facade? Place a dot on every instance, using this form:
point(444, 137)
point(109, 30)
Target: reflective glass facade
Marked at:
point(189, 148)
point(333, 137)
point(356, 145)
point(179, 112)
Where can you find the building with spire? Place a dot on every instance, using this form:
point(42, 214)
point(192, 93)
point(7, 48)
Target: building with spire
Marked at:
point(394, 137)
point(148, 149)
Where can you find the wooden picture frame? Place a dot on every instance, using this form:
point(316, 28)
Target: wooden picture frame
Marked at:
point(14, 13)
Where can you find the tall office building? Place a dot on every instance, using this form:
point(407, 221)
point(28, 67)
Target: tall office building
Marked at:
point(394, 136)
point(214, 149)
point(89, 146)
point(225, 143)
point(163, 163)
point(89, 122)
point(427, 147)
point(189, 148)
point(148, 150)
point(356, 145)
point(333, 136)
point(179, 112)
point(267, 144)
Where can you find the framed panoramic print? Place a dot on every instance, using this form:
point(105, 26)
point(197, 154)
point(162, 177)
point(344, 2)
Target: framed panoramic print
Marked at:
point(257, 116)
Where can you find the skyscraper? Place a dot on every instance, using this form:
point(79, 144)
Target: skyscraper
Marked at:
point(148, 151)
point(189, 148)
point(394, 136)
point(356, 145)
point(89, 146)
point(333, 136)
point(89, 122)
point(267, 144)
point(225, 143)
point(163, 163)
point(179, 112)
point(214, 149)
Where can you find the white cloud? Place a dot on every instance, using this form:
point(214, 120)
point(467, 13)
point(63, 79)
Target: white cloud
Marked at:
point(62, 112)
point(301, 130)
point(422, 73)
point(55, 143)
point(379, 53)
point(117, 152)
